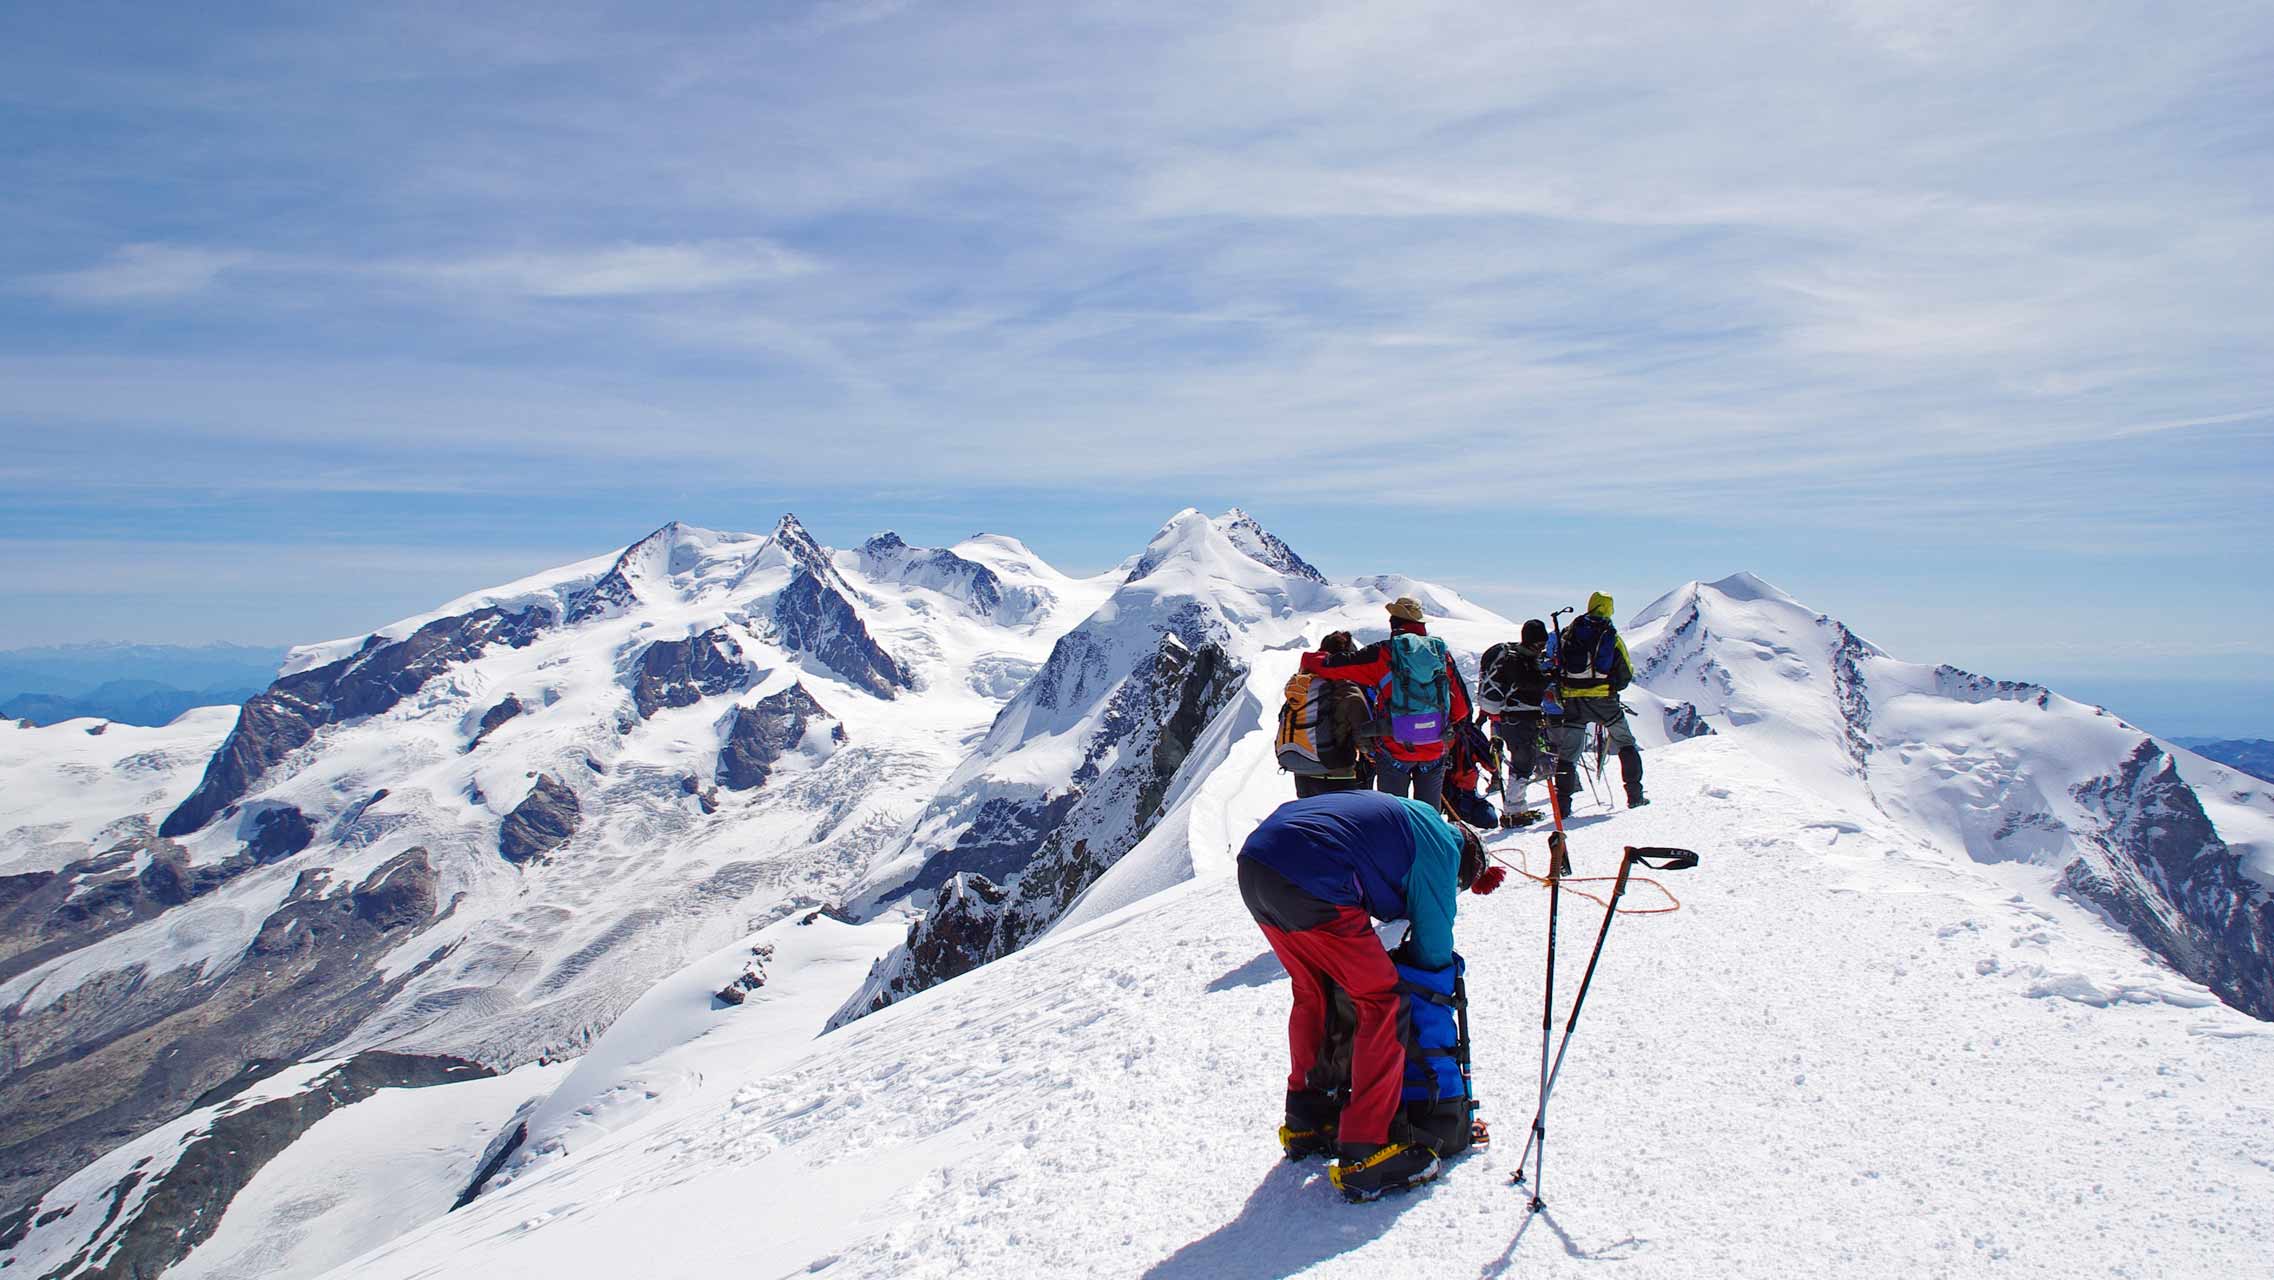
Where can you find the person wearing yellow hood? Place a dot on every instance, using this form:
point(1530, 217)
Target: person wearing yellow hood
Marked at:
point(1593, 666)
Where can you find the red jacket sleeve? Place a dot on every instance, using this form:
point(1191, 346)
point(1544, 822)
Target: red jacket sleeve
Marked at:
point(1369, 666)
point(1461, 708)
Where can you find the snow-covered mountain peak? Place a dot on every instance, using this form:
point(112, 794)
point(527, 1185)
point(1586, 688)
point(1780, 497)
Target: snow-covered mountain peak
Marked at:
point(681, 561)
point(1746, 586)
point(1193, 549)
point(790, 535)
point(981, 591)
point(1263, 546)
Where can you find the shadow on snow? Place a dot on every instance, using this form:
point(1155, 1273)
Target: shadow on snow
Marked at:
point(1259, 972)
point(1293, 1220)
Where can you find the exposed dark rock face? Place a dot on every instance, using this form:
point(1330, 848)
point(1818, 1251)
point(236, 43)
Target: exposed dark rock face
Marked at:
point(278, 834)
point(1150, 725)
point(681, 673)
point(956, 936)
point(130, 1049)
point(997, 845)
point(1684, 721)
point(400, 894)
point(541, 823)
point(762, 732)
point(185, 1202)
point(287, 715)
point(814, 617)
point(1852, 689)
point(2161, 869)
point(505, 710)
point(1170, 701)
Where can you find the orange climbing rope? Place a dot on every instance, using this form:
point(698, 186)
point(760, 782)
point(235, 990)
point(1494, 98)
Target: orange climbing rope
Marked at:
point(1523, 868)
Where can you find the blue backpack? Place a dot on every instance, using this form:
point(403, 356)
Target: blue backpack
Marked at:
point(1437, 1097)
point(1590, 652)
point(1420, 701)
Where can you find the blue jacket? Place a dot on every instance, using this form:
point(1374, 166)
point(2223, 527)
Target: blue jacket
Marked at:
point(1393, 858)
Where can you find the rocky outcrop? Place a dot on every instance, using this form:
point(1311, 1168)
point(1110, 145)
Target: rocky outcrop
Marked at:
point(956, 936)
point(761, 733)
point(541, 823)
point(278, 834)
point(752, 977)
point(400, 894)
point(282, 719)
point(1068, 839)
point(127, 1050)
point(506, 709)
point(813, 617)
point(998, 844)
point(1683, 721)
point(681, 673)
point(185, 1199)
point(2160, 868)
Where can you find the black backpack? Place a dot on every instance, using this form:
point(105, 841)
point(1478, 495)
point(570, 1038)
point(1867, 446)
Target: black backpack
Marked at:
point(1510, 678)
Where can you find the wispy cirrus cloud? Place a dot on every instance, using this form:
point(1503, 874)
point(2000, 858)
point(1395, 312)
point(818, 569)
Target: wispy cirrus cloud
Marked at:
point(620, 271)
point(140, 273)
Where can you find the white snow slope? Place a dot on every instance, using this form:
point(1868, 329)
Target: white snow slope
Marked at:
point(1849, 1053)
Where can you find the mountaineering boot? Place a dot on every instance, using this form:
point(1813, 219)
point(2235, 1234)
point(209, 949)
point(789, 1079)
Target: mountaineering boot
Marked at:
point(1630, 772)
point(1635, 800)
point(1309, 1130)
point(1366, 1169)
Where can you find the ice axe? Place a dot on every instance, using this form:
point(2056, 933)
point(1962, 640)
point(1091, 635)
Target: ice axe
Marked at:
point(1656, 858)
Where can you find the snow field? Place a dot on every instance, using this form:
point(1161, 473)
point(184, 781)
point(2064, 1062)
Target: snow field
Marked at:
point(1849, 1054)
point(67, 793)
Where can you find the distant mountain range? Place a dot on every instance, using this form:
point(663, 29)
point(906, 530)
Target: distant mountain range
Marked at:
point(2254, 756)
point(138, 684)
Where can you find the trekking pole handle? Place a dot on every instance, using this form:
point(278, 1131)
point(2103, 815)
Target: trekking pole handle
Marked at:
point(1559, 855)
point(1659, 858)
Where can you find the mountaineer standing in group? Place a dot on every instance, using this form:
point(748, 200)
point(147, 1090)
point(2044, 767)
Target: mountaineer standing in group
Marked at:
point(1315, 875)
point(1514, 687)
point(1324, 728)
point(1420, 695)
point(1593, 668)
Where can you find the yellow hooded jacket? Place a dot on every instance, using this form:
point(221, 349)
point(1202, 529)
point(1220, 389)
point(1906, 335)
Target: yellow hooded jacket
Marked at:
point(1592, 683)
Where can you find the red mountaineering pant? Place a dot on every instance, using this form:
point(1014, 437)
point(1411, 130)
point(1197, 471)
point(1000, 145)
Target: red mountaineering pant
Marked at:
point(1321, 943)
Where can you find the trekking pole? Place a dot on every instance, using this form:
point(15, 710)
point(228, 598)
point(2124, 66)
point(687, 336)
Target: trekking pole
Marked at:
point(1559, 865)
point(1657, 859)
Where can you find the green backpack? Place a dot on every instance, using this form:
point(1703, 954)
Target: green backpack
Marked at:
point(1420, 701)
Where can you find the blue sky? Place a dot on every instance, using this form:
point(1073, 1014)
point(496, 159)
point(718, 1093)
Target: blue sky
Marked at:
point(1950, 318)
